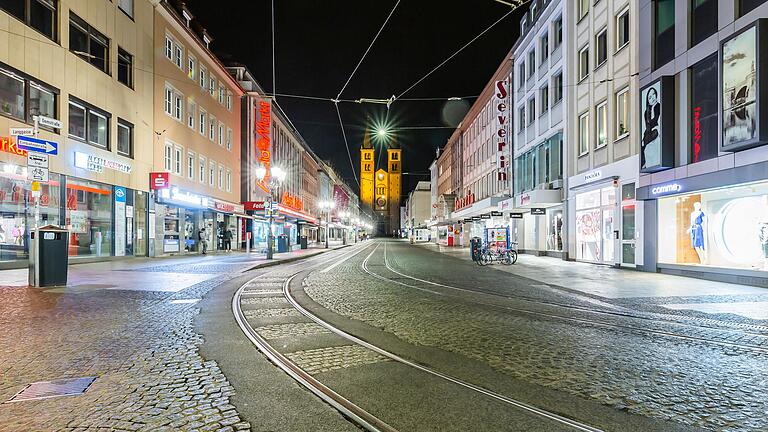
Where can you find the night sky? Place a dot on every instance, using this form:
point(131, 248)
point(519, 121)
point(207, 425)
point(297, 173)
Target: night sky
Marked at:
point(319, 42)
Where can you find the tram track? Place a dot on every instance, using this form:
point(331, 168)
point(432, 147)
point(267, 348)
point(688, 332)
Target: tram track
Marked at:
point(723, 342)
point(294, 275)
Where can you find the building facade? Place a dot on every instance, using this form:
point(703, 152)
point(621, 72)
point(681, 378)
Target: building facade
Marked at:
point(381, 187)
point(85, 72)
point(603, 166)
point(702, 123)
point(417, 212)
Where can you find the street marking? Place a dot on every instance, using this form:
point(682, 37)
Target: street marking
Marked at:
point(337, 263)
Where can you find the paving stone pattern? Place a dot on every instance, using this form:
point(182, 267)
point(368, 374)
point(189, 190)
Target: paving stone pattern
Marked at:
point(143, 350)
point(276, 331)
point(693, 383)
point(320, 360)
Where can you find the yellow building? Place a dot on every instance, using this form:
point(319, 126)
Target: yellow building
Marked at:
point(380, 189)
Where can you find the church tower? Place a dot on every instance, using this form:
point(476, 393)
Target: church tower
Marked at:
point(395, 167)
point(367, 168)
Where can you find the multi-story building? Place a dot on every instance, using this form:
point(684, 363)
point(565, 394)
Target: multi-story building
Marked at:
point(540, 104)
point(442, 198)
point(417, 212)
point(703, 131)
point(602, 163)
point(196, 135)
point(84, 71)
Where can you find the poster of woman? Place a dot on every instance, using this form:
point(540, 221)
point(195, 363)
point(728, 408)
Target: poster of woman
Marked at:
point(650, 127)
point(739, 88)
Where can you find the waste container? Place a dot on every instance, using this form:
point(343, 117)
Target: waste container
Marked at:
point(475, 246)
point(282, 243)
point(48, 256)
point(303, 242)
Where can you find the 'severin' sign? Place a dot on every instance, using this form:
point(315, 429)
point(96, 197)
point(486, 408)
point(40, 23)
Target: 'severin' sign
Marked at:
point(263, 139)
point(501, 133)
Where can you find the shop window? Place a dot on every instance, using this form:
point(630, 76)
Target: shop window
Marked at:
point(38, 14)
point(595, 225)
point(601, 48)
point(88, 123)
point(664, 32)
point(584, 63)
point(601, 112)
point(124, 67)
point(725, 228)
point(88, 43)
point(89, 218)
point(622, 29)
point(622, 113)
point(124, 138)
point(746, 6)
point(704, 110)
point(628, 205)
point(126, 6)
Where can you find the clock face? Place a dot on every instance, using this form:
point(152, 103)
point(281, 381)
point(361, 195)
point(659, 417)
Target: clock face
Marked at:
point(381, 201)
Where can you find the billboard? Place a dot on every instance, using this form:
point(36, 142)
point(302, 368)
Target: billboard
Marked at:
point(657, 125)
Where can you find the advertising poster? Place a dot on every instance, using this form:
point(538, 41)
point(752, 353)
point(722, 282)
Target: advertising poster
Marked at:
point(651, 126)
point(120, 194)
point(739, 89)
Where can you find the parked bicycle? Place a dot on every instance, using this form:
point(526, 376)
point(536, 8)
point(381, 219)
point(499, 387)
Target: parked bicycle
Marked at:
point(503, 256)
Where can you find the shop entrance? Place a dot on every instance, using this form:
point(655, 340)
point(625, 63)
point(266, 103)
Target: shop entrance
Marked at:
point(191, 228)
point(595, 225)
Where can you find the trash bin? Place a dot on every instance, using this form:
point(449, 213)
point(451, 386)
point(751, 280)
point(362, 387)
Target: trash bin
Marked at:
point(282, 243)
point(48, 256)
point(475, 246)
point(303, 242)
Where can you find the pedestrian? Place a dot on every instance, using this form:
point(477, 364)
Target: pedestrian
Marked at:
point(201, 235)
point(228, 240)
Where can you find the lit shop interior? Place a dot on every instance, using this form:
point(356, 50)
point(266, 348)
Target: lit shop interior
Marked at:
point(725, 228)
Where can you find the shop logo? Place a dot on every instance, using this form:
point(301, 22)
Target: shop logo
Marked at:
point(159, 180)
point(665, 189)
point(119, 194)
point(592, 176)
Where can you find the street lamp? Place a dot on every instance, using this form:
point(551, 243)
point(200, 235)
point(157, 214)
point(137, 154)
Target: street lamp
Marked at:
point(327, 206)
point(276, 176)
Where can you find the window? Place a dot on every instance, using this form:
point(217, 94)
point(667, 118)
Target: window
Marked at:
point(703, 20)
point(622, 29)
point(88, 44)
point(531, 110)
point(704, 110)
point(622, 113)
point(38, 14)
point(177, 161)
point(558, 31)
point(22, 98)
point(531, 62)
point(584, 63)
point(229, 180)
point(221, 177)
point(168, 157)
point(191, 165)
point(601, 47)
point(521, 74)
point(544, 47)
point(124, 67)
point(203, 118)
point(191, 63)
point(168, 48)
point(212, 86)
point(201, 170)
point(583, 134)
point(88, 123)
point(229, 142)
point(221, 133)
point(178, 106)
point(229, 100)
point(222, 93)
point(601, 111)
point(212, 129)
point(178, 55)
point(664, 32)
point(558, 87)
point(191, 115)
point(126, 6)
point(521, 118)
point(746, 6)
point(169, 101)
point(124, 138)
point(544, 96)
point(583, 8)
point(202, 76)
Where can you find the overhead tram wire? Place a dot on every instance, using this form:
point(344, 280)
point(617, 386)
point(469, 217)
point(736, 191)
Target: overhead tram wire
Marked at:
point(274, 77)
point(344, 134)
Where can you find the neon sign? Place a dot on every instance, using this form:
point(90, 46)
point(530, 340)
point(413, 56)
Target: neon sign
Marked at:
point(8, 145)
point(292, 201)
point(501, 132)
point(665, 189)
point(696, 133)
point(263, 141)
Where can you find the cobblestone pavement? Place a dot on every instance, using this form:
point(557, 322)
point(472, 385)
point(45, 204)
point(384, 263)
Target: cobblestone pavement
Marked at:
point(687, 381)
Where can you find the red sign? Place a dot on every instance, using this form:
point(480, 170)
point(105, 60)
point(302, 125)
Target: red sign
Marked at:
point(254, 205)
point(263, 138)
point(292, 202)
point(467, 201)
point(696, 133)
point(159, 180)
point(224, 207)
point(501, 132)
point(8, 145)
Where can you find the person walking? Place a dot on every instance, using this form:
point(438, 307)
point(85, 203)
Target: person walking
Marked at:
point(228, 239)
point(202, 236)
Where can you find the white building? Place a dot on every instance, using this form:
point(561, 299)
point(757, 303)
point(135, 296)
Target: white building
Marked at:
point(418, 211)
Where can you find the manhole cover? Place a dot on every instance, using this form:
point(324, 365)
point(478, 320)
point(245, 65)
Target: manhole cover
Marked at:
point(56, 388)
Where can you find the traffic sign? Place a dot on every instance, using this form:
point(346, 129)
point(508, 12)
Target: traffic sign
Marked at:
point(39, 160)
point(37, 174)
point(47, 121)
point(27, 131)
point(37, 145)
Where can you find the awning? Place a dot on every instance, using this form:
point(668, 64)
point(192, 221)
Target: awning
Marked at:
point(539, 198)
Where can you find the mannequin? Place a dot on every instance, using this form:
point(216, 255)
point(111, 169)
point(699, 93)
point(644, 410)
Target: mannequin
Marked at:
point(763, 237)
point(697, 230)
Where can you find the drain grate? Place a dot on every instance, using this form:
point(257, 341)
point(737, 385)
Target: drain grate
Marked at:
point(51, 389)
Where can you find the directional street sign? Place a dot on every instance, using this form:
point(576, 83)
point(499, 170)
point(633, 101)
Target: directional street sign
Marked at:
point(37, 145)
point(37, 174)
point(49, 122)
point(27, 131)
point(38, 160)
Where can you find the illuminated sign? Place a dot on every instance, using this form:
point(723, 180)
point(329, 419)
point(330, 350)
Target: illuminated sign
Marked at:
point(98, 163)
point(254, 205)
point(502, 120)
point(665, 189)
point(467, 201)
point(696, 134)
point(263, 141)
point(8, 145)
point(184, 197)
point(159, 180)
point(292, 201)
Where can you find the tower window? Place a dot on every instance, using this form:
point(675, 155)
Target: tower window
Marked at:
point(395, 156)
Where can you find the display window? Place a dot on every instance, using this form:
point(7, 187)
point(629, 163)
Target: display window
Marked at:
point(89, 218)
point(555, 230)
point(595, 225)
point(725, 228)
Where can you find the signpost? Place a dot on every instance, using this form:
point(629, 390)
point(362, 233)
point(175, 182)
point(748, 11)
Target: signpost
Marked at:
point(48, 122)
point(37, 145)
point(27, 131)
point(38, 160)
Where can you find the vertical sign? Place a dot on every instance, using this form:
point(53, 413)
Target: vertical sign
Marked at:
point(120, 193)
point(657, 125)
point(502, 121)
point(263, 137)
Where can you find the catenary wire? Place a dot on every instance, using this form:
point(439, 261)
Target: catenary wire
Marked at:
point(346, 144)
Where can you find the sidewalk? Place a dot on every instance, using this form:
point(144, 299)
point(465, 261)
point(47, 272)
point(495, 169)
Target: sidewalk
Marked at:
point(672, 292)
